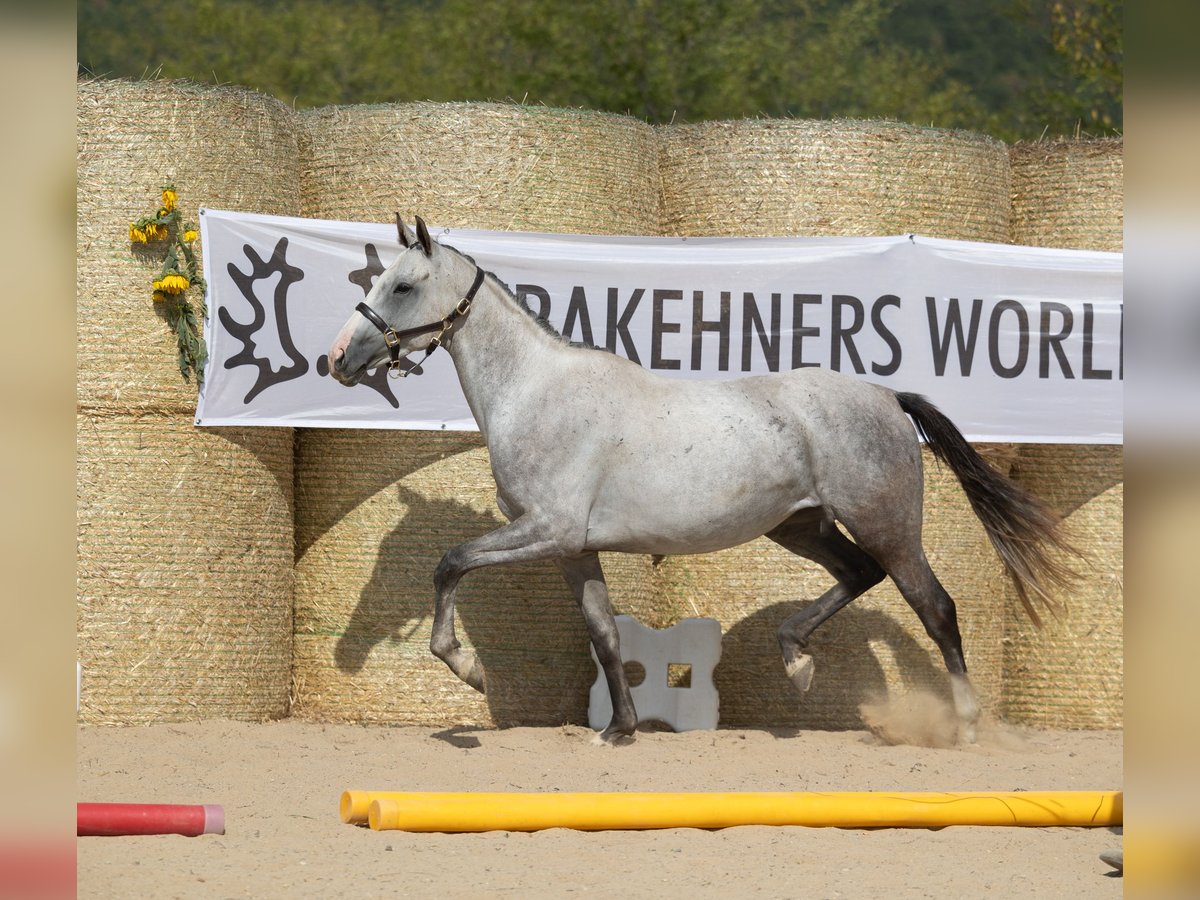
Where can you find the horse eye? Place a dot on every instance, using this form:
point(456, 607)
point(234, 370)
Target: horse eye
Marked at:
point(402, 288)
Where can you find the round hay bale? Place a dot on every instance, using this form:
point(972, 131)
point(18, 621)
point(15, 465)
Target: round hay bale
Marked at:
point(1069, 194)
point(871, 649)
point(184, 570)
point(784, 177)
point(226, 148)
point(840, 177)
point(483, 165)
point(1070, 673)
point(375, 512)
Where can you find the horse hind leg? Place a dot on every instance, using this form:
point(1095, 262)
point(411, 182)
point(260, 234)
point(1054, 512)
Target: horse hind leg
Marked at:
point(818, 538)
point(935, 608)
point(857, 571)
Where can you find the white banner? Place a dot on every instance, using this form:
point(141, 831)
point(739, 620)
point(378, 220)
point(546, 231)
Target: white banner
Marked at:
point(1013, 343)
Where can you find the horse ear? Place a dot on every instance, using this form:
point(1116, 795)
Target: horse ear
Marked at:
point(403, 233)
point(423, 237)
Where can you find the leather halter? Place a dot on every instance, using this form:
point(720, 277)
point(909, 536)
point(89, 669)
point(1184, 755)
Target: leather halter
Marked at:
point(392, 337)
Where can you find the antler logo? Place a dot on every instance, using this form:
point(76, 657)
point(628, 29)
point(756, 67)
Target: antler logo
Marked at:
point(365, 278)
point(261, 270)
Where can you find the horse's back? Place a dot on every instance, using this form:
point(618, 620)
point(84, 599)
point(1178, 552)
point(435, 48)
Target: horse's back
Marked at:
point(673, 465)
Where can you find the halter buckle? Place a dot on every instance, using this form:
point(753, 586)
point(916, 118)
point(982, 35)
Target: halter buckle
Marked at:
point(463, 307)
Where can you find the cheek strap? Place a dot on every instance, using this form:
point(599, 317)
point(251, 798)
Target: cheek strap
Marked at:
point(392, 337)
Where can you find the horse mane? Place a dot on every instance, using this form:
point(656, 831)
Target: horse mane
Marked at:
point(524, 307)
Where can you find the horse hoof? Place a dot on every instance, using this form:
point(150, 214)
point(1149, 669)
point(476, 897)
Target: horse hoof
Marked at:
point(800, 671)
point(476, 677)
point(612, 739)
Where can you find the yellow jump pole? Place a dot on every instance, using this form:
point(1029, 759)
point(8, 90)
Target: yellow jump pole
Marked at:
point(454, 812)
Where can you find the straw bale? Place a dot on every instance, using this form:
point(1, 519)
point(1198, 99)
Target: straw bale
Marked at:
point(839, 177)
point(184, 570)
point(483, 165)
point(1070, 674)
point(222, 147)
point(1069, 194)
point(873, 648)
point(375, 511)
point(784, 177)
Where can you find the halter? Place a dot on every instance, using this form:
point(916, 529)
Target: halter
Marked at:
point(392, 337)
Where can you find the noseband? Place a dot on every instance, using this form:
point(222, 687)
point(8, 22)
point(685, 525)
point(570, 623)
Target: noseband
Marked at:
point(392, 337)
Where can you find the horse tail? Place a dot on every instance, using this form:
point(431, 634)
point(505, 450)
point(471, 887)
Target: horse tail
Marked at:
point(1024, 531)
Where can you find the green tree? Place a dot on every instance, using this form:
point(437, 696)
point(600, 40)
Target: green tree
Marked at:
point(1087, 38)
point(687, 59)
point(1011, 67)
point(1075, 82)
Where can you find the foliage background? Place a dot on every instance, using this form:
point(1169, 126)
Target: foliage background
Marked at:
point(1012, 68)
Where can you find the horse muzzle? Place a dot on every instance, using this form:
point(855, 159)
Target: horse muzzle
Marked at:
point(339, 369)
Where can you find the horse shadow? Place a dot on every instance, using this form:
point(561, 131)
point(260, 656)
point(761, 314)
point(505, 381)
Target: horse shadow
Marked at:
point(521, 620)
point(1068, 477)
point(862, 655)
point(378, 459)
point(527, 630)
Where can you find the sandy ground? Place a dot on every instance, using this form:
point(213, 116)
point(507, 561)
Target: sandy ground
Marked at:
point(280, 782)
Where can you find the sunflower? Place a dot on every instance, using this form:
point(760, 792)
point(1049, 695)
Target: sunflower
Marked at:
point(172, 283)
point(144, 232)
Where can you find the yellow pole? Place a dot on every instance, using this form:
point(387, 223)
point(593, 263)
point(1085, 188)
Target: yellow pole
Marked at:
point(354, 805)
point(432, 811)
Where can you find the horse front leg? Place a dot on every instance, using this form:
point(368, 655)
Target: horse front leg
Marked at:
point(586, 579)
point(520, 541)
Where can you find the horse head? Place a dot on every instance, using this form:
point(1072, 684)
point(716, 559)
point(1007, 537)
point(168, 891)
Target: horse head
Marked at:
point(415, 298)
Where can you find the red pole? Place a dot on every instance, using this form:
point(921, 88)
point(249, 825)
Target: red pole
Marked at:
point(148, 818)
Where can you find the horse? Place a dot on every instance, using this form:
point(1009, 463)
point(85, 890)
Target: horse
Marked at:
point(591, 452)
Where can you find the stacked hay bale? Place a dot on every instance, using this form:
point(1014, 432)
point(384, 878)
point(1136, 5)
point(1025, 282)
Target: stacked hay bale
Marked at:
point(1070, 674)
point(376, 510)
point(185, 535)
point(788, 177)
point(1069, 194)
point(769, 177)
point(483, 165)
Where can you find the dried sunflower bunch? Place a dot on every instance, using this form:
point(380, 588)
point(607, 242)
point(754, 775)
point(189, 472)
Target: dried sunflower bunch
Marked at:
point(167, 230)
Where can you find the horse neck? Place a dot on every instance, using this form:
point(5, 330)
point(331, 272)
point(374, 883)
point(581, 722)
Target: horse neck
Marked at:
point(496, 349)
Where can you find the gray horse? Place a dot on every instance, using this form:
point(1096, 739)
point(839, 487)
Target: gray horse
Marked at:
point(592, 452)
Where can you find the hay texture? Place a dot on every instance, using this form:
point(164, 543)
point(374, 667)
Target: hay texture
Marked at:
point(872, 650)
point(222, 147)
point(185, 536)
point(1069, 194)
point(184, 570)
point(497, 166)
point(841, 177)
point(789, 177)
point(375, 512)
point(1070, 674)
